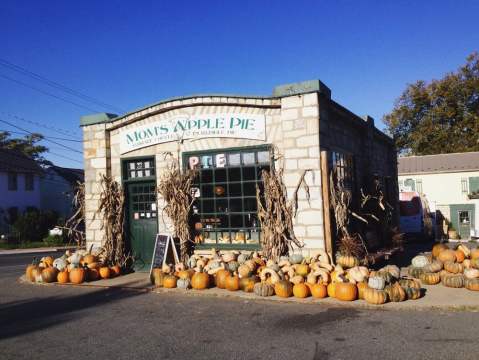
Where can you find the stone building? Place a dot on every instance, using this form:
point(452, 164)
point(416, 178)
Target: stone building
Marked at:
point(230, 139)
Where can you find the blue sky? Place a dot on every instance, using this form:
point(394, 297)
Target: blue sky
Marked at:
point(132, 53)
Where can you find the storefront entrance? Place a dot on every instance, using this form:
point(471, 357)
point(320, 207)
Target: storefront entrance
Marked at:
point(142, 212)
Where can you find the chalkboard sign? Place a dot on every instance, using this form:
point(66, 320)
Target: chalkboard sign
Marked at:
point(163, 243)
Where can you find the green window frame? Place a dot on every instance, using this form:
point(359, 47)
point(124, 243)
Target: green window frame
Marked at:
point(29, 182)
point(225, 206)
point(12, 181)
point(138, 169)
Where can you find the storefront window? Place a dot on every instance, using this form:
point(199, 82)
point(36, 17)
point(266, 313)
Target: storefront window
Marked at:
point(225, 208)
point(138, 169)
point(342, 164)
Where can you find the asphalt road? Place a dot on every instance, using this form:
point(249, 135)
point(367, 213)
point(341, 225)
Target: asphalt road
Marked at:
point(86, 323)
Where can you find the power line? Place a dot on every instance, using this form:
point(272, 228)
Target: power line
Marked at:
point(47, 93)
point(52, 141)
point(46, 137)
point(57, 85)
point(65, 157)
point(39, 124)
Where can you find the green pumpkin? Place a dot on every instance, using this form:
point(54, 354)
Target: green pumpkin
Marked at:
point(233, 266)
point(430, 278)
point(433, 267)
point(410, 283)
point(453, 280)
point(395, 292)
point(412, 293)
point(262, 289)
point(386, 275)
point(415, 272)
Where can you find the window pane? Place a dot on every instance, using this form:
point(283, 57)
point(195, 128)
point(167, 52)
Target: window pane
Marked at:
point(220, 175)
point(235, 189)
point(250, 204)
point(248, 159)
point(236, 205)
point(206, 176)
point(249, 189)
point(236, 221)
point(249, 173)
point(234, 174)
point(263, 157)
point(234, 160)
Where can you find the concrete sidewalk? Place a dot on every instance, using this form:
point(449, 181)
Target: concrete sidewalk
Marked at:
point(436, 297)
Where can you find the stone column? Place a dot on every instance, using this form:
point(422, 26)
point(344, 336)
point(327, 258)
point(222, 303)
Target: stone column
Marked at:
point(96, 162)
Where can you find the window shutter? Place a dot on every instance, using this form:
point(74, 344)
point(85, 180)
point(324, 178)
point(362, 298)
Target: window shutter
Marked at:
point(474, 184)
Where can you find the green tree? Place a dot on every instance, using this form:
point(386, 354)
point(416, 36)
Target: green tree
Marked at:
point(28, 145)
point(441, 116)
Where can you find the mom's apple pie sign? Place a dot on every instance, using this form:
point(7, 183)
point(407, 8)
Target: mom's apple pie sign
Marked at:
point(228, 125)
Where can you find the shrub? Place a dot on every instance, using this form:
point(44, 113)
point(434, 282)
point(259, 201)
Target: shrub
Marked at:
point(53, 240)
point(33, 225)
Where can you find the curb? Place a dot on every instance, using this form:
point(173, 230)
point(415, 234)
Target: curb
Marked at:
point(35, 250)
point(220, 293)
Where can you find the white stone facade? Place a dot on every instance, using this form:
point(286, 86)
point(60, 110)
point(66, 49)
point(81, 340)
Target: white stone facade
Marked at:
point(292, 126)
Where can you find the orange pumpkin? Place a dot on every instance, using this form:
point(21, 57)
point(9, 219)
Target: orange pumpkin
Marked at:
point(115, 270)
point(77, 275)
point(220, 278)
point(28, 272)
point(63, 277)
point(362, 286)
point(283, 288)
point(232, 282)
point(346, 291)
point(105, 272)
point(200, 281)
point(460, 257)
point(319, 291)
point(332, 289)
point(185, 274)
point(301, 290)
point(88, 259)
point(47, 261)
point(447, 255)
point(49, 274)
point(169, 281)
point(437, 248)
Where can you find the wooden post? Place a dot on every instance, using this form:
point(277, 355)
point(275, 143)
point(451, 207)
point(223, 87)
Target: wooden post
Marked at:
point(328, 239)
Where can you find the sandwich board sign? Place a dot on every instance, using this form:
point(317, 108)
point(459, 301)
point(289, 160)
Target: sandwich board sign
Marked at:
point(163, 242)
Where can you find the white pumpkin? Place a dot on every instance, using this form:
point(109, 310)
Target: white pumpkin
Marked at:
point(471, 273)
point(274, 276)
point(376, 282)
point(420, 261)
point(358, 273)
point(227, 257)
point(60, 264)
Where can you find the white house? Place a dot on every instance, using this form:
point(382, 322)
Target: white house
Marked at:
point(450, 182)
point(57, 188)
point(19, 184)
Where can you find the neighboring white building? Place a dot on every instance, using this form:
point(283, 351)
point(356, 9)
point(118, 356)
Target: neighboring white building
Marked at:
point(57, 188)
point(450, 182)
point(19, 184)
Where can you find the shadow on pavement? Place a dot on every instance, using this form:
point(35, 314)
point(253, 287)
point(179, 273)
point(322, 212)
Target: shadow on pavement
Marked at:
point(23, 317)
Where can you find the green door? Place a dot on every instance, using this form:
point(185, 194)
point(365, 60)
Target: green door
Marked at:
point(142, 222)
point(462, 218)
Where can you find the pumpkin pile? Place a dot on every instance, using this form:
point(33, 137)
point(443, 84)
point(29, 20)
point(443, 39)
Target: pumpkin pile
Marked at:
point(74, 268)
point(295, 275)
point(452, 268)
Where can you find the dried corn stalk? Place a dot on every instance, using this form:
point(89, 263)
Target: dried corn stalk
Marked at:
point(348, 244)
point(75, 225)
point(276, 214)
point(175, 188)
point(112, 211)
